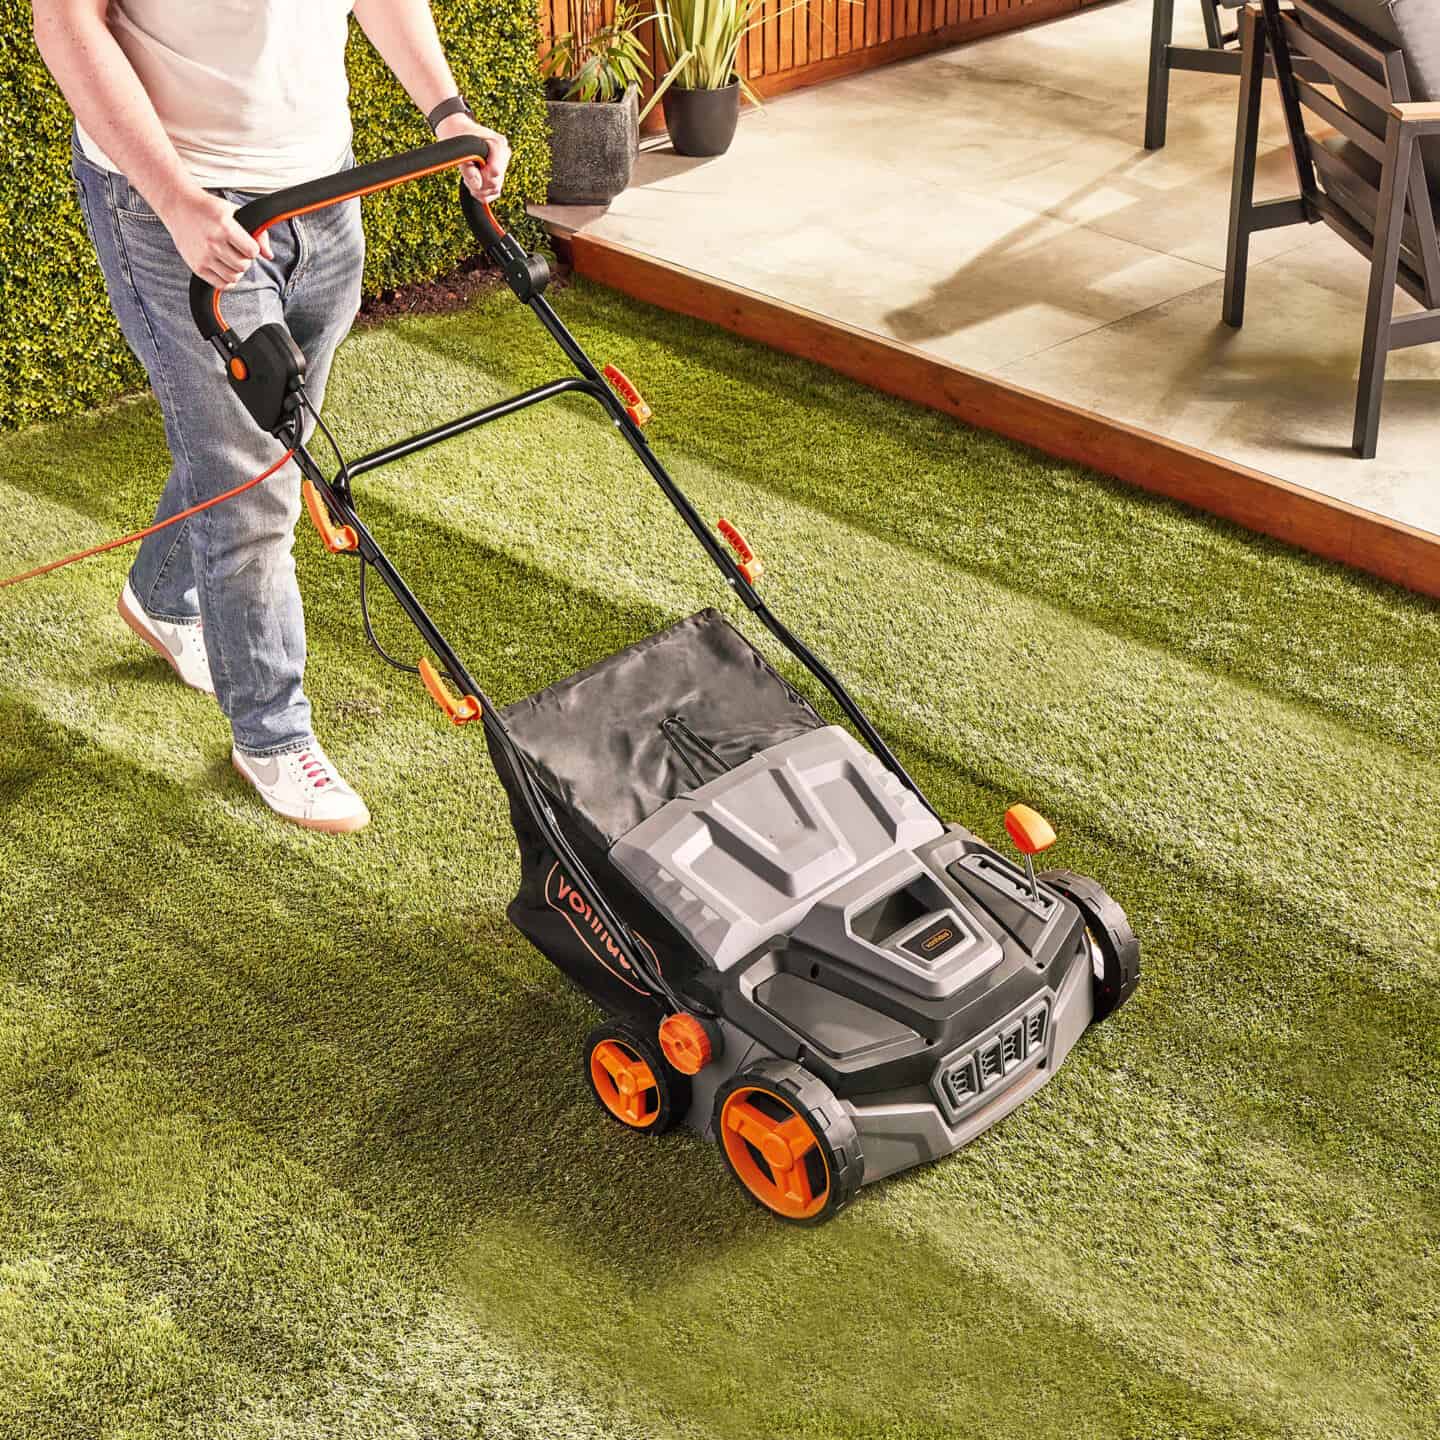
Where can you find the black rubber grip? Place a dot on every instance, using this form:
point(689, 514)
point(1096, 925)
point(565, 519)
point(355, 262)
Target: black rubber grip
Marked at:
point(264, 210)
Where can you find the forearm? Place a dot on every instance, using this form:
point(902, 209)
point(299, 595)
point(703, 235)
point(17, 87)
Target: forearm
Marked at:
point(101, 87)
point(403, 31)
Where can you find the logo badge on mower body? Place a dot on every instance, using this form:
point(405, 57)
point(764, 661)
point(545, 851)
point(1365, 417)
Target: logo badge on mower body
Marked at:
point(562, 894)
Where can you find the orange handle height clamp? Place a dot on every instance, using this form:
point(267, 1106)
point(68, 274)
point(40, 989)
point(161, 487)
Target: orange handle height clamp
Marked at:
point(635, 406)
point(337, 539)
point(461, 711)
point(750, 564)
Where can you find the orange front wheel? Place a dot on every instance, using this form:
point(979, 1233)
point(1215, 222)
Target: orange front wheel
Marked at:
point(788, 1141)
point(631, 1079)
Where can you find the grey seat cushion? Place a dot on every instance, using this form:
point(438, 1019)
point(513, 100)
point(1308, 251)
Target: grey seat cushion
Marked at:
point(1413, 28)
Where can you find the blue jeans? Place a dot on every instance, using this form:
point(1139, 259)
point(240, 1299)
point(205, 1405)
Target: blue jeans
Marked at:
point(231, 565)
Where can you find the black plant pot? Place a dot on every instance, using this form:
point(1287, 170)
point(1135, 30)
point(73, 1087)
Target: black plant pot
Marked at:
point(702, 122)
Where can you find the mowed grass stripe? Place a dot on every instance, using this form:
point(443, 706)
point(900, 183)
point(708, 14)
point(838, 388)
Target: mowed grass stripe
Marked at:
point(1253, 609)
point(1153, 571)
point(280, 1066)
point(1012, 690)
point(1011, 683)
point(151, 1009)
point(1181, 1236)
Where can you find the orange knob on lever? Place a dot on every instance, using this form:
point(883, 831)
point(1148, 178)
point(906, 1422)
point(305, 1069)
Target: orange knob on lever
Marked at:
point(462, 710)
point(751, 566)
point(336, 538)
point(635, 406)
point(1032, 833)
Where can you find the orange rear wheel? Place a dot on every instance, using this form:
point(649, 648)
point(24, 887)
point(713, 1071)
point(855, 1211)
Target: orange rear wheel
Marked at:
point(631, 1079)
point(788, 1141)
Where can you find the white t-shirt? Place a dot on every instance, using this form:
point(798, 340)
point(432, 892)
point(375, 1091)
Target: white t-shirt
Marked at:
point(252, 93)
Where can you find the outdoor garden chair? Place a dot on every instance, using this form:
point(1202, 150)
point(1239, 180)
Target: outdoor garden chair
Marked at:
point(1372, 172)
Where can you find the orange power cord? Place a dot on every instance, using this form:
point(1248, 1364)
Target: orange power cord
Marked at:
point(149, 529)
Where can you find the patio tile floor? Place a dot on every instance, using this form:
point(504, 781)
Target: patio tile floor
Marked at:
point(992, 204)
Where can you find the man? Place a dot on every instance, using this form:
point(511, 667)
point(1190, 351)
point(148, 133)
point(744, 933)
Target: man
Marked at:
point(185, 109)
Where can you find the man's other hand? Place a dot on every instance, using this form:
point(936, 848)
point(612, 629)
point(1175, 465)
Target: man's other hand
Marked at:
point(483, 182)
point(203, 228)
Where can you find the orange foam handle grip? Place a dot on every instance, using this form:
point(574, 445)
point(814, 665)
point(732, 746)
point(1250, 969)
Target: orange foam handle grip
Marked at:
point(750, 565)
point(335, 538)
point(461, 711)
point(635, 406)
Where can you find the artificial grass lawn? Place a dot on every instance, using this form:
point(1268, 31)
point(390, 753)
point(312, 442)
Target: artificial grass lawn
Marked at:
point(293, 1137)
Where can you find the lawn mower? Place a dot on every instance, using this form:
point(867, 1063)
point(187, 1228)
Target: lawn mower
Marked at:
point(796, 956)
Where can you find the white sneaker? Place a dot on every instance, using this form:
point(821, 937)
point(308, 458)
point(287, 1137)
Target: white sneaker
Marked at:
point(182, 645)
point(302, 786)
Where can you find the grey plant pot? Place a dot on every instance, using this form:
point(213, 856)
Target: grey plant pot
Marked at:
point(593, 145)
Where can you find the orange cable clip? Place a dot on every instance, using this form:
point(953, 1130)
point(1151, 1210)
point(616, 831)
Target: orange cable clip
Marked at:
point(336, 538)
point(635, 406)
point(461, 711)
point(750, 564)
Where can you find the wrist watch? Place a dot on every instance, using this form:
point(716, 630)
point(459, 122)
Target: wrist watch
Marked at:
point(455, 105)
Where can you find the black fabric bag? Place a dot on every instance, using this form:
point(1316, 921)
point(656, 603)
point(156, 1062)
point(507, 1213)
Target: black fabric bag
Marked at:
point(609, 746)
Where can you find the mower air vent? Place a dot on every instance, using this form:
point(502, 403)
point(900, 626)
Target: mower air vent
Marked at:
point(1034, 1030)
point(1012, 1047)
point(962, 1080)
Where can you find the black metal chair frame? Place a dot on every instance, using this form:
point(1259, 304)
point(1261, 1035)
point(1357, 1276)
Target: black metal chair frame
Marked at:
point(1391, 223)
point(1220, 56)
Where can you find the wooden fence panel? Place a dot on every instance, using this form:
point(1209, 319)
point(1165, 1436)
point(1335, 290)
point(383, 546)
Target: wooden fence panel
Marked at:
point(795, 45)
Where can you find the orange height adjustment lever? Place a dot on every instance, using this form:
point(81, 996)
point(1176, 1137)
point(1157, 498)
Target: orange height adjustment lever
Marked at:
point(635, 406)
point(461, 710)
point(752, 567)
point(337, 539)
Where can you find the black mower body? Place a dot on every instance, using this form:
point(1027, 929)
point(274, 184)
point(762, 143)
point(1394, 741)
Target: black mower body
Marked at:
point(786, 882)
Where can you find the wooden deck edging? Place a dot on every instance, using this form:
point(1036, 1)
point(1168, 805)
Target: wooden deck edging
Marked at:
point(1304, 518)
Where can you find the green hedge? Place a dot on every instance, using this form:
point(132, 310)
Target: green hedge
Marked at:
point(60, 349)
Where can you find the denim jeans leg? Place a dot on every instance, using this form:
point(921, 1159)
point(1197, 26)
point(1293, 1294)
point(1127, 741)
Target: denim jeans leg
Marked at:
point(162, 575)
point(240, 562)
point(322, 295)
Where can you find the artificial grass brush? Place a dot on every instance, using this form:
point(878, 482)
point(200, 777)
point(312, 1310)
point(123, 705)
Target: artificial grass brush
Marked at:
point(295, 1139)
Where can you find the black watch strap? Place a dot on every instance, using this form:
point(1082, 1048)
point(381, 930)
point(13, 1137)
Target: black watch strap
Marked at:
point(455, 105)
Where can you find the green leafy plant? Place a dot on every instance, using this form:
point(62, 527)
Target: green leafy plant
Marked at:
point(595, 59)
point(699, 40)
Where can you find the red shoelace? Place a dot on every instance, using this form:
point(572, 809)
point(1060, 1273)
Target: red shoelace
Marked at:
point(314, 770)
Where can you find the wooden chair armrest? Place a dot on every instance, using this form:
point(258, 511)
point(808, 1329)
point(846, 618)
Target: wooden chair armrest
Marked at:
point(1424, 114)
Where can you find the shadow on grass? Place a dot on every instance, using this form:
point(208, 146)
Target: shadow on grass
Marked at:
point(1121, 561)
point(315, 951)
point(431, 1070)
point(1114, 557)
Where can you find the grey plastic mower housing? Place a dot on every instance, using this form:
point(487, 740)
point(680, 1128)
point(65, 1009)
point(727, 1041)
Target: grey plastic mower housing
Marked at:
point(903, 961)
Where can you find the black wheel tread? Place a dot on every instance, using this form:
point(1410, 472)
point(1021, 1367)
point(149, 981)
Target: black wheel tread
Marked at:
point(1111, 927)
point(674, 1087)
point(813, 1099)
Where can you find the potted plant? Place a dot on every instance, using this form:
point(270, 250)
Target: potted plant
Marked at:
point(592, 95)
point(699, 40)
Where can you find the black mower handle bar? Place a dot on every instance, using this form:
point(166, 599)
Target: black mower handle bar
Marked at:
point(260, 214)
